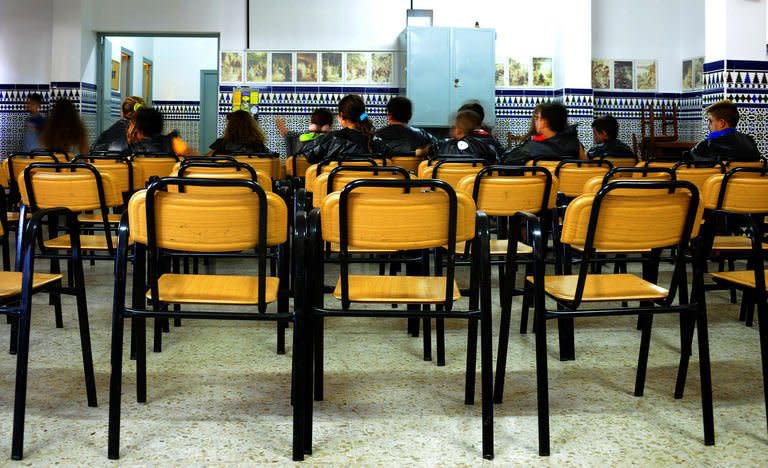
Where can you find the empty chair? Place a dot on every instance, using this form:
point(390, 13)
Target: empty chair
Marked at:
point(610, 220)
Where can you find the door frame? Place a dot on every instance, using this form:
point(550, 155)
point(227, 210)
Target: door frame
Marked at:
point(204, 138)
point(100, 106)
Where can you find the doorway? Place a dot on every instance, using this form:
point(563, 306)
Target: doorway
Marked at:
point(164, 69)
point(146, 91)
point(126, 73)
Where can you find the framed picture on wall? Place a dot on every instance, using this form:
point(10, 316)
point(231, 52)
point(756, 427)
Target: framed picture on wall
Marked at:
point(601, 73)
point(698, 72)
point(518, 72)
point(115, 75)
point(500, 78)
point(357, 67)
point(282, 67)
point(542, 71)
point(232, 67)
point(256, 67)
point(687, 74)
point(382, 67)
point(306, 67)
point(331, 67)
point(645, 74)
point(622, 74)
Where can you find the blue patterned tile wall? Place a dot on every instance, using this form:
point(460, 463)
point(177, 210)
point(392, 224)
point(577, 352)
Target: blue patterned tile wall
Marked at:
point(745, 82)
point(13, 113)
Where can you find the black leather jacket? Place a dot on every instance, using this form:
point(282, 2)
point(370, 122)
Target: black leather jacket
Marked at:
point(155, 144)
point(115, 138)
point(564, 145)
point(466, 147)
point(610, 148)
point(337, 144)
point(736, 146)
point(404, 139)
point(220, 147)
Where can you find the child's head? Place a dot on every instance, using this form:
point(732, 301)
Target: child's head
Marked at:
point(721, 115)
point(147, 123)
point(131, 105)
point(351, 107)
point(242, 128)
point(399, 109)
point(552, 116)
point(466, 121)
point(321, 120)
point(475, 107)
point(34, 101)
point(605, 128)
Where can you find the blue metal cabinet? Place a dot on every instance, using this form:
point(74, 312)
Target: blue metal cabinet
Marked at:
point(446, 67)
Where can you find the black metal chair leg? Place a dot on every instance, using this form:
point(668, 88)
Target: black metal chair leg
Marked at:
point(469, 384)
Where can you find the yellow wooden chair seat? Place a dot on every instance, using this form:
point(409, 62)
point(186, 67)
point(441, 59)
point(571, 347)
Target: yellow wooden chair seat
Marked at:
point(214, 289)
point(397, 289)
point(499, 247)
point(112, 218)
point(10, 282)
point(335, 248)
point(87, 242)
point(733, 243)
point(601, 288)
point(744, 278)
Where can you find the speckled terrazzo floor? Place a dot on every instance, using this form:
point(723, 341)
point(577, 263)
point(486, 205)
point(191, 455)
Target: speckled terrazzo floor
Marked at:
point(218, 395)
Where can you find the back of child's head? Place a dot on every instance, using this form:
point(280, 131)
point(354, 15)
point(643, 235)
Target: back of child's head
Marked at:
point(131, 105)
point(149, 121)
point(400, 108)
point(608, 124)
point(321, 117)
point(555, 114)
point(352, 109)
point(725, 110)
point(37, 98)
point(475, 107)
point(468, 120)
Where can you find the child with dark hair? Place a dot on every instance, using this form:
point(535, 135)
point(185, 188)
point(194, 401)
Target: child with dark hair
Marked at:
point(483, 132)
point(320, 123)
point(724, 142)
point(35, 122)
point(606, 132)
point(115, 138)
point(64, 130)
point(145, 135)
point(241, 135)
point(355, 137)
point(554, 138)
point(399, 137)
point(464, 143)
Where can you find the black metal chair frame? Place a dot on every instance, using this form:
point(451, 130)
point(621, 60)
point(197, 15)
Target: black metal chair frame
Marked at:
point(150, 263)
point(19, 308)
point(693, 314)
point(479, 302)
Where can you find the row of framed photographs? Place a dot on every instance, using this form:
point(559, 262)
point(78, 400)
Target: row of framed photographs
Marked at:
point(518, 72)
point(624, 74)
point(641, 74)
point(250, 66)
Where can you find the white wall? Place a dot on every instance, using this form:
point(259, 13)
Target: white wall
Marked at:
point(745, 29)
point(691, 27)
point(225, 17)
point(648, 29)
point(25, 41)
point(573, 62)
point(177, 66)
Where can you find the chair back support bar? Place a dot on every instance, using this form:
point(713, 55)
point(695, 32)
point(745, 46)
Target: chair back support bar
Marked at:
point(504, 190)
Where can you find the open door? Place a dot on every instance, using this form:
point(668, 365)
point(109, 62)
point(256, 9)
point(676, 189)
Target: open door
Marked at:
point(104, 85)
point(209, 108)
